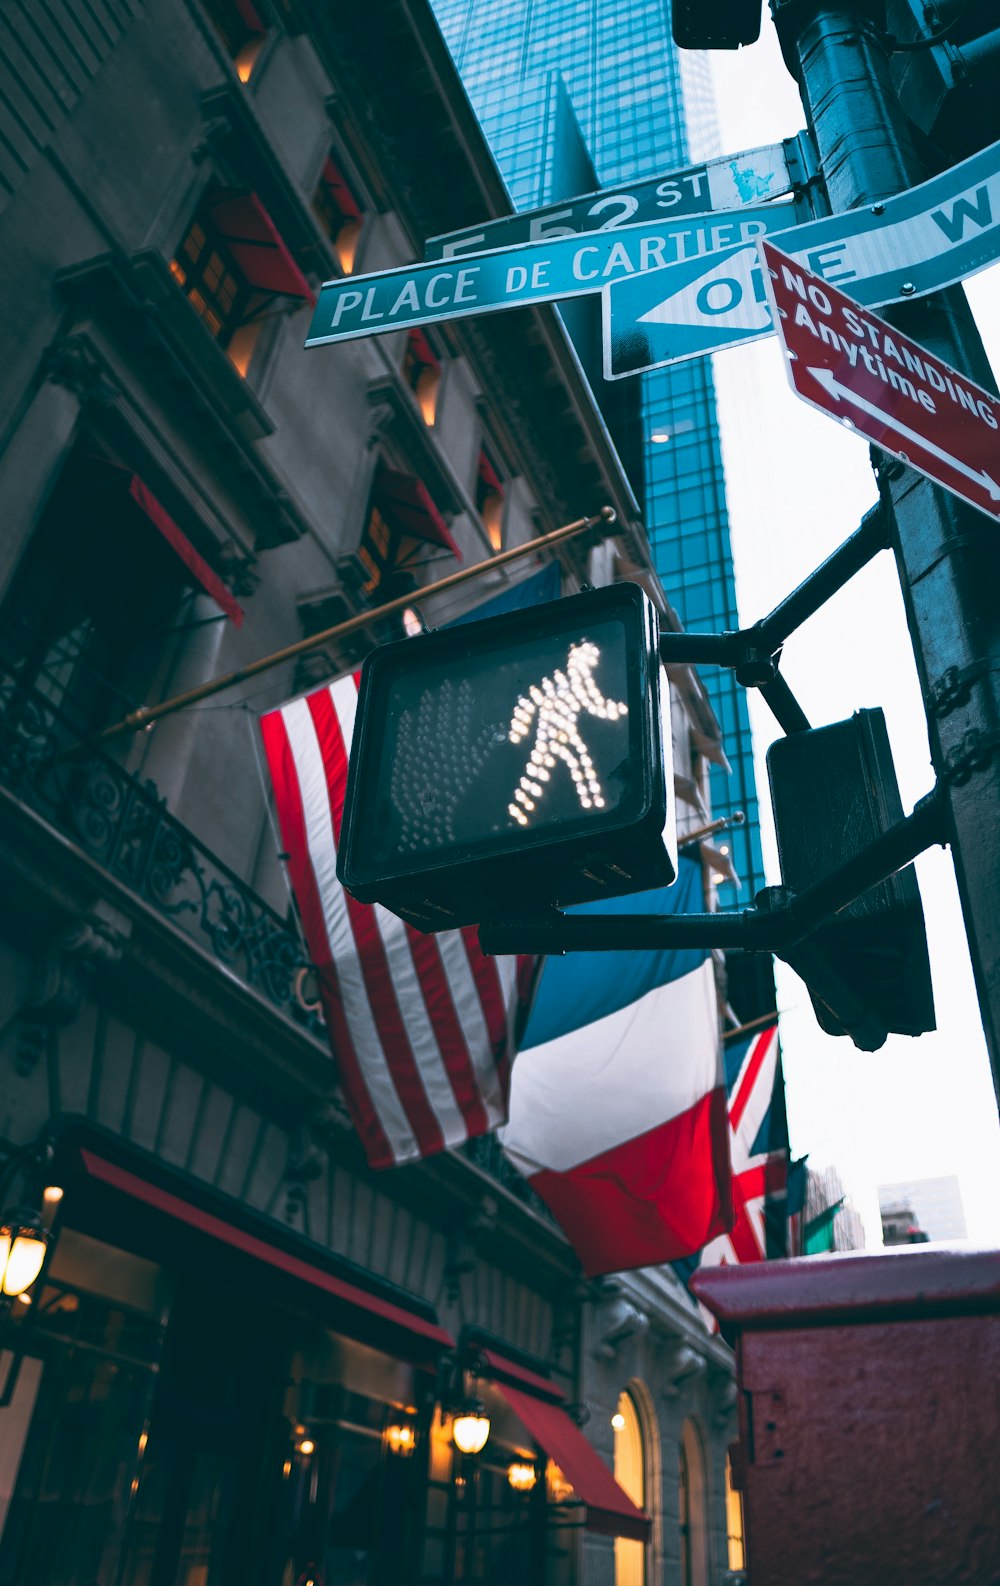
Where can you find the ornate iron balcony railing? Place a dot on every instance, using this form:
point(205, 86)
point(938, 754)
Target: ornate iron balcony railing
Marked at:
point(123, 824)
point(487, 1153)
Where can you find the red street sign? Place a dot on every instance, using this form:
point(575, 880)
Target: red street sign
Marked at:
point(847, 362)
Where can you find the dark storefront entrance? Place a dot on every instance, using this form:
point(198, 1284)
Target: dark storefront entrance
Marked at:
point(197, 1406)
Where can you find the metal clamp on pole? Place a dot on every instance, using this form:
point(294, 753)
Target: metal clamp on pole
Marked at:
point(754, 653)
point(782, 922)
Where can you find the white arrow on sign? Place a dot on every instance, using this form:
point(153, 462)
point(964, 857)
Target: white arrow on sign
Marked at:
point(916, 242)
point(842, 393)
point(723, 296)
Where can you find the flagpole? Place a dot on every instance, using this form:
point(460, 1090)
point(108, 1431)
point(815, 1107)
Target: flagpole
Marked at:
point(145, 715)
point(755, 1024)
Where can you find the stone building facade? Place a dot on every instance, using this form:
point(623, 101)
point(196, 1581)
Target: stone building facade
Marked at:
point(242, 1358)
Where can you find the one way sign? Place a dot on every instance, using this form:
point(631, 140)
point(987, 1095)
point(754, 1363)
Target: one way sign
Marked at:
point(917, 242)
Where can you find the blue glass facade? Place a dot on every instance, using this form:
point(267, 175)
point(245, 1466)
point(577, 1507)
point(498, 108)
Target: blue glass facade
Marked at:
point(643, 109)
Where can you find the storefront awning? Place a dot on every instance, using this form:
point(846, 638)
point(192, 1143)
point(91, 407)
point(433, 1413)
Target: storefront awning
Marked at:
point(406, 502)
point(501, 1370)
point(430, 1336)
point(610, 1510)
point(257, 245)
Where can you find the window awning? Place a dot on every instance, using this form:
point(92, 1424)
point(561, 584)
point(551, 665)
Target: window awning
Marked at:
point(257, 245)
point(336, 182)
point(423, 351)
point(250, 17)
point(488, 474)
point(405, 502)
point(610, 1510)
point(429, 1336)
point(209, 580)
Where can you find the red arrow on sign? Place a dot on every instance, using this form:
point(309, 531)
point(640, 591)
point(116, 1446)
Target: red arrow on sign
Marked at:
point(849, 363)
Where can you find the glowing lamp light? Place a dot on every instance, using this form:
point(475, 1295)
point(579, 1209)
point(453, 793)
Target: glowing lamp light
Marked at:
point(660, 437)
point(23, 1242)
point(306, 1447)
point(401, 1440)
point(618, 1421)
point(522, 1476)
point(471, 1429)
point(52, 1194)
point(413, 623)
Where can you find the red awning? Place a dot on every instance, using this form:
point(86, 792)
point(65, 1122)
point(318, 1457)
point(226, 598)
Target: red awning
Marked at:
point(405, 502)
point(257, 246)
point(97, 1167)
point(341, 194)
point(250, 17)
point(610, 1510)
point(209, 580)
point(423, 351)
point(489, 475)
point(500, 1368)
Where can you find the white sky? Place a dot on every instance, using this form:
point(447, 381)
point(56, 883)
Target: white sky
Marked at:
point(798, 485)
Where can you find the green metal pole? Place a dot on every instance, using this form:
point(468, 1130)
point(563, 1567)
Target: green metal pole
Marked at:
point(947, 554)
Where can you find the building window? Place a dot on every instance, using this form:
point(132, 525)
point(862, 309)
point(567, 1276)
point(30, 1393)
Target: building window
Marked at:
point(340, 213)
point(242, 31)
point(85, 623)
point(630, 1474)
point(403, 530)
point(234, 269)
point(422, 373)
point(735, 1547)
point(691, 1508)
point(490, 498)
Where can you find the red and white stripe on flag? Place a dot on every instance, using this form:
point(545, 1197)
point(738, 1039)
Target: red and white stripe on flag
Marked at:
point(420, 1026)
point(758, 1149)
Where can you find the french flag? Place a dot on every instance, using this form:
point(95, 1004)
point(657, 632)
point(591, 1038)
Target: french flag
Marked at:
point(618, 1114)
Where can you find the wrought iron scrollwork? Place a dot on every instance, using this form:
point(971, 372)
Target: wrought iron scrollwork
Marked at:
point(123, 824)
point(487, 1153)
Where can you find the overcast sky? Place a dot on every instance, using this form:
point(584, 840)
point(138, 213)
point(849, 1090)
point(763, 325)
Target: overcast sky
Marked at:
point(798, 484)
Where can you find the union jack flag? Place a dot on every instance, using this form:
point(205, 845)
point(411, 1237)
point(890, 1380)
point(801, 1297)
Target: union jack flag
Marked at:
point(758, 1149)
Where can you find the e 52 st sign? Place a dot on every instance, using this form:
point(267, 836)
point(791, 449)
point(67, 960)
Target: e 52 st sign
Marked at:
point(752, 177)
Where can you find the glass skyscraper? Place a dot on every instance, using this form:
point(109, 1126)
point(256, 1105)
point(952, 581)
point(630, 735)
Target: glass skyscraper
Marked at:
point(540, 73)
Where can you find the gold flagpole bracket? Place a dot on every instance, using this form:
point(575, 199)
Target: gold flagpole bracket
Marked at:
point(146, 715)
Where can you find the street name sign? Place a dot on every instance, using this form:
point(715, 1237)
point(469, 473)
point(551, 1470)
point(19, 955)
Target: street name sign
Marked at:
point(541, 272)
point(919, 241)
point(749, 178)
point(862, 371)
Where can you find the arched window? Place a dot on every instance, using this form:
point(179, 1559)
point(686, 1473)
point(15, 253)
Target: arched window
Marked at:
point(692, 1508)
point(734, 1522)
point(630, 1474)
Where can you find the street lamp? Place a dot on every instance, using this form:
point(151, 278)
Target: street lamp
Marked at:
point(471, 1427)
point(23, 1243)
point(522, 1475)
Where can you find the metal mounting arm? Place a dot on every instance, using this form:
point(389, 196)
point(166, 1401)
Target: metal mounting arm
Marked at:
point(781, 921)
point(754, 652)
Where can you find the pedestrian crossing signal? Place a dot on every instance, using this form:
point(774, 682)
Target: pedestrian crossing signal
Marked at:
point(715, 24)
point(833, 791)
point(512, 764)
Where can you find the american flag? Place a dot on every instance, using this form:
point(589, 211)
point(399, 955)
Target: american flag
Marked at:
point(421, 1026)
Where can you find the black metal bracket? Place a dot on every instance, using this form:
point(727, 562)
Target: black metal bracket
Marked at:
point(754, 653)
point(779, 922)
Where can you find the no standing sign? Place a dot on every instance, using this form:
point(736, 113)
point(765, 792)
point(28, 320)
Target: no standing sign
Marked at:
point(849, 363)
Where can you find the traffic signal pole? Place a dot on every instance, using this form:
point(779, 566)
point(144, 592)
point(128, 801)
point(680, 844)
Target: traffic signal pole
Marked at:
point(947, 553)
